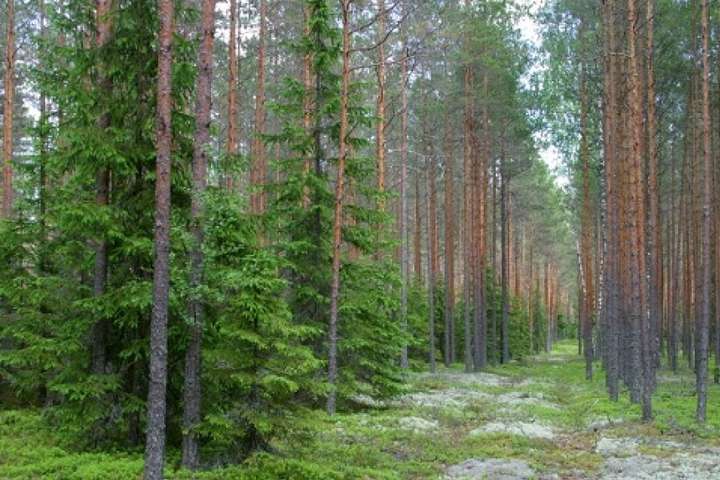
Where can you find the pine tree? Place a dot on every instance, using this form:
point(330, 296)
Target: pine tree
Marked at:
point(157, 400)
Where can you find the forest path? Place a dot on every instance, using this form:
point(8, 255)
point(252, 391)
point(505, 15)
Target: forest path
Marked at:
point(535, 419)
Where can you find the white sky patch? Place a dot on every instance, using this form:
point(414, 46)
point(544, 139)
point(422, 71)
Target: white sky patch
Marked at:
point(530, 32)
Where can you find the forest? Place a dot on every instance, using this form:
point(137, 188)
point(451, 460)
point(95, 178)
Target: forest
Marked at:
point(360, 239)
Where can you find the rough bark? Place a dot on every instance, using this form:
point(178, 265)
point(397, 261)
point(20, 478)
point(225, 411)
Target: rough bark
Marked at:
point(585, 259)
point(8, 104)
point(654, 235)
point(431, 264)
point(449, 332)
point(480, 182)
point(417, 233)
point(259, 161)
point(703, 320)
point(192, 391)
point(232, 133)
point(337, 217)
point(156, 402)
point(641, 342)
point(103, 30)
point(467, 205)
point(307, 101)
point(505, 266)
point(380, 128)
point(404, 253)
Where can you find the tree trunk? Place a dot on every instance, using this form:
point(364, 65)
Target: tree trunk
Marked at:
point(449, 245)
point(8, 105)
point(654, 237)
point(232, 138)
point(703, 320)
point(192, 392)
point(431, 264)
point(405, 253)
point(102, 191)
point(259, 165)
point(642, 365)
point(42, 183)
point(482, 156)
point(337, 218)
point(156, 402)
point(504, 221)
point(468, 204)
point(585, 259)
point(380, 130)
point(418, 232)
point(307, 101)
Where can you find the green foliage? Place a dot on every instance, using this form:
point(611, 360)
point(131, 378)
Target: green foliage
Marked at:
point(256, 359)
point(299, 221)
point(519, 331)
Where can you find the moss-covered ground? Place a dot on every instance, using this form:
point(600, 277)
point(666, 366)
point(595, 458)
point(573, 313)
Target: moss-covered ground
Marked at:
point(540, 410)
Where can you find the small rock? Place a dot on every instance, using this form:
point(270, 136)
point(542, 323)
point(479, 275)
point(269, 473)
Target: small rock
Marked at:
point(519, 399)
point(491, 469)
point(441, 398)
point(616, 447)
point(417, 424)
point(477, 378)
point(531, 430)
point(599, 423)
point(368, 401)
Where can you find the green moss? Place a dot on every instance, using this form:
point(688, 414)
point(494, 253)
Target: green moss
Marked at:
point(372, 444)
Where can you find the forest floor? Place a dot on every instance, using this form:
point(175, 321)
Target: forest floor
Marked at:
point(535, 419)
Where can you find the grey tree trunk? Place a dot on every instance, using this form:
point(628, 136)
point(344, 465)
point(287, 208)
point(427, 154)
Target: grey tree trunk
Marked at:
point(156, 401)
point(404, 254)
point(505, 324)
point(8, 104)
point(192, 391)
point(102, 196)
point(704, 317)
point(337, 219)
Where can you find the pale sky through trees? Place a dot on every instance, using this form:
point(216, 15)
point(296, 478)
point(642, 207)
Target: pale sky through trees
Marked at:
point(530, 30)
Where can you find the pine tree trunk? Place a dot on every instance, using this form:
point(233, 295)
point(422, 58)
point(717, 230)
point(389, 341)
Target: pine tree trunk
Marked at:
point(431, 264)
point(8, 107)
point(674, 273)
point(417, 233)
point(232, 134)
point(654, 237)
point(449, 245)
point(530, 310)
point(337, 218)
point(642, 364)
point(42, 180)
point(585, 259)
point(482, 156)
point(380, 129)
point(307, 101)
point(156, 402)
point(404, 253)
point(192, 391)
point(468, 206)
point(703, 320)
point(259, 166)
point(505, 261)
point(102, 195)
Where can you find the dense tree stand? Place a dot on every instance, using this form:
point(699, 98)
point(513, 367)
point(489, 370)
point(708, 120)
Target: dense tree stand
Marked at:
point(338, 229)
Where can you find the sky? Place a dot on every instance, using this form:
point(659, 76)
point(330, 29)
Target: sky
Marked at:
point(530, 31)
